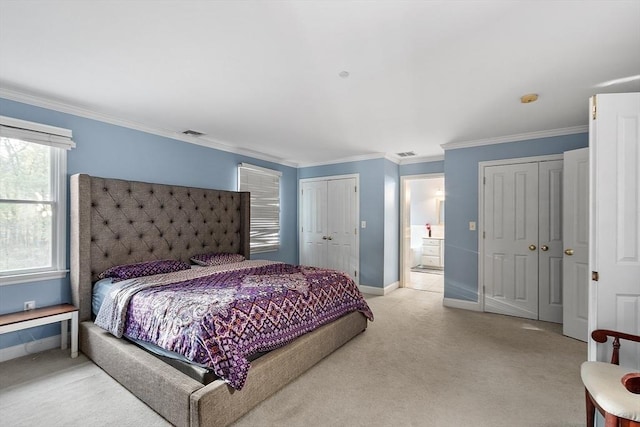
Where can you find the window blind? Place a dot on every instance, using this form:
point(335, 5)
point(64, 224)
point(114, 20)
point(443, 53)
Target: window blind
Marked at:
point(35, 132)
point(264, 186)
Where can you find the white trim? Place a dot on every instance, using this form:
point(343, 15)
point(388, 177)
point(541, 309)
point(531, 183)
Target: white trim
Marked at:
point(515, 138)
point(374, 290)
point(30, 347)
point(204, 141)
point(32, 277)
point(458, 303)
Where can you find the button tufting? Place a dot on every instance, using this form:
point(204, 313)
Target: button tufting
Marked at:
point(106, 222)
point(118, 205)
point(140, 235)
point(140, 206)
point(104, 189)
point(130, 221)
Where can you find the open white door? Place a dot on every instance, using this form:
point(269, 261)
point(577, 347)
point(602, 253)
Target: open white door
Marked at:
point(614, 256)
point(575, 263)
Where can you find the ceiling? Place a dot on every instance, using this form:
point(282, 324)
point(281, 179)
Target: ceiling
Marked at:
point(264, 76)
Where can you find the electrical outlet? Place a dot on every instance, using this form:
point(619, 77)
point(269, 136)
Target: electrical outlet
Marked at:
point(29, 305)
point(472, 225)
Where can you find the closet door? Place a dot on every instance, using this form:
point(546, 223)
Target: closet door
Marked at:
point(511, 238)
point(329, 220)
point(550, 240)
point(313, 218)
point(342, 225)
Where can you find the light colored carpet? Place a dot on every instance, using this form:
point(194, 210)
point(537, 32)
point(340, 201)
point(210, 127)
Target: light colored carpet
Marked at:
point(418, 364)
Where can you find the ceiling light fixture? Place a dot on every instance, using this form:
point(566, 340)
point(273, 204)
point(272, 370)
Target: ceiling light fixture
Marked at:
point(529, 98)
point(343, 74)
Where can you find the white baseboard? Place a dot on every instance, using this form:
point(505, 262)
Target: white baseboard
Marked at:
point(374, 290)
point(30, 347)
point(458, 303)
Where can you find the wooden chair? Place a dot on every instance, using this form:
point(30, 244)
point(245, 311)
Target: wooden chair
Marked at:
point(612, 389)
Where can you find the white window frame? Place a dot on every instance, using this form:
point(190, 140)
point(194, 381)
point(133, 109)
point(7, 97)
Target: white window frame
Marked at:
point(60, 141)
point(259, 244)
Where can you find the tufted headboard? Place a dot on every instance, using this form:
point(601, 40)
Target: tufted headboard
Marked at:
point(116, 222)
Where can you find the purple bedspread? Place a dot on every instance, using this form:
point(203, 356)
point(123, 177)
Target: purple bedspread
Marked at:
point(220, 319)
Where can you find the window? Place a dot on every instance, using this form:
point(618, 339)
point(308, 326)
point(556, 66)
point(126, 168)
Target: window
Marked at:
point(264, 186)
point(33, 170)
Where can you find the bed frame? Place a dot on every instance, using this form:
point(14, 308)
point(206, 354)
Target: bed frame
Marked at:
point(116, 222)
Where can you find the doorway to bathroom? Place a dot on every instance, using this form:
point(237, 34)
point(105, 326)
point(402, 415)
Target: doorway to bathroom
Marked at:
point(422, 205)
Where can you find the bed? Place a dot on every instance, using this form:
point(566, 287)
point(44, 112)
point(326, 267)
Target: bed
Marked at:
point(116, 222)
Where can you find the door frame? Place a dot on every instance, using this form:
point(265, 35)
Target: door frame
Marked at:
point(404, 208)
point(331, 178)
point(480, 225)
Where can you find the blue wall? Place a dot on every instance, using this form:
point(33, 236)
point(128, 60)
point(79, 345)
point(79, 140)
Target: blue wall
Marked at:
point(461, 189)
point(422, 168)
point(112, 151)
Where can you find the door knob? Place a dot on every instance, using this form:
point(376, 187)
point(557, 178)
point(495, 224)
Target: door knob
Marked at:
point(532, 247)
point(568, 252)
point(324, 237)
point(544, 248)
point(329, 238)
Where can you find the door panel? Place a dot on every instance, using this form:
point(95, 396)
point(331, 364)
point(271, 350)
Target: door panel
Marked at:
point(614, 138)
point(576, 238)
point(341, 219)
point(313, 250)
point(550, 240)
point(511, 226)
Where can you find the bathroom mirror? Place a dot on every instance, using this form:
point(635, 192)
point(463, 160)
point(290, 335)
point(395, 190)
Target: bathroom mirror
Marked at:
point(440, 210)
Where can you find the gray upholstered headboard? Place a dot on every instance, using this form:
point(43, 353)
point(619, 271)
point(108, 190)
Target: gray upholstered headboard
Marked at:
point(116, 222)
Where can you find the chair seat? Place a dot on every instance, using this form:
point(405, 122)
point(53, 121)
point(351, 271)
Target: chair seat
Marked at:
point(603, 381)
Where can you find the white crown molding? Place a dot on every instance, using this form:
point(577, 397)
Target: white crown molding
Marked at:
point(516, 137)
point(94, 115)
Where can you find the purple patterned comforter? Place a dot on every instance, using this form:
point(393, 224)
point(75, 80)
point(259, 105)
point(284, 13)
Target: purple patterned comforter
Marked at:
point(219, 319)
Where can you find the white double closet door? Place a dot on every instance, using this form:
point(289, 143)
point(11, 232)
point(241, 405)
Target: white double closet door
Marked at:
point(329, 224)
point(522, 239)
